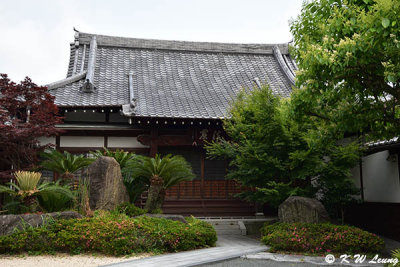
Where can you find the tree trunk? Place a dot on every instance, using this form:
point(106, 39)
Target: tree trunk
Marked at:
point(31, 203)
point(153, 197)
point(160, 200)
point(67, 176)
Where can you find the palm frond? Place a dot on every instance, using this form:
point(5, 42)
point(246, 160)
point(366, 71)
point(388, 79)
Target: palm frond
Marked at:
point(121, 156)
point(172, 169)
point(63, 162)
point(27, 180)
point(7, 190)
point(56, 189)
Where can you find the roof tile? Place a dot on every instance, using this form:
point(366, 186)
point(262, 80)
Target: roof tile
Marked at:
point(178, 82)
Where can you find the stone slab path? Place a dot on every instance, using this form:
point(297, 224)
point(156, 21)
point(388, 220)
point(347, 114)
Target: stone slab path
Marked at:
point(228, 247)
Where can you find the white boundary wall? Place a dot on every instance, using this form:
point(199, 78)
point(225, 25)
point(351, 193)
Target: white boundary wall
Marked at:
point(380, 177)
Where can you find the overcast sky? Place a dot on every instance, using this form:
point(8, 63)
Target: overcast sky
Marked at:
point(35, 35)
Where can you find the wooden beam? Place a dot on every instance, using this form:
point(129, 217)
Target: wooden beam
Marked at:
point(107, 116)
point(153, 142)
point(166, 140)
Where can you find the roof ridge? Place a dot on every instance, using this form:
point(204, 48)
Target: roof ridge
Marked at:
point(128, 42)
point(283, 64)
point(68, 80)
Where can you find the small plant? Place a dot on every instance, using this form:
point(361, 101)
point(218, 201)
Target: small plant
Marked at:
point(396, 258)
point(320, 239)
point(130, 209)
point(27, 180)
point(28, 189)
point(82, 198)
point(156, 211)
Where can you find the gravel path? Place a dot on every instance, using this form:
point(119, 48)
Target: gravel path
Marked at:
point(62, 260)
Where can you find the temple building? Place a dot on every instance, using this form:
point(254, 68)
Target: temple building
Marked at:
point(158, 96)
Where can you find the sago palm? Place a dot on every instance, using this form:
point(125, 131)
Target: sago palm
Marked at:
point(161, 173)
point(63, 163)
point(121, 156)
point(27, 188)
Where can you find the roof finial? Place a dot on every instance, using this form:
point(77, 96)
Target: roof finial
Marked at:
point(257, 81)
point(76, 37)
point(88, 86)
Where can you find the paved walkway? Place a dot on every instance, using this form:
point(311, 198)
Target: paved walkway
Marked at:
point(228, 247)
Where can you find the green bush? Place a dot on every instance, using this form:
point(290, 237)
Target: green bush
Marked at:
point(113, 234)
point(130, 209)
point(320, 238)
point(55, 202)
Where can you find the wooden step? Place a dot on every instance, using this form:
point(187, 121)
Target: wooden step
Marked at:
point(209, 207)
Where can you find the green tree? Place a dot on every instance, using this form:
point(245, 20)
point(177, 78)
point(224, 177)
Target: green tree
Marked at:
point(160, 173)
point(348, 53)
point(266, 150)
point(279, 156)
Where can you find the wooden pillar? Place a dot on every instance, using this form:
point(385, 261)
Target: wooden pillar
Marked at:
point(153, 142)
point(202, 159)
point(58, 142)
point(105, 141)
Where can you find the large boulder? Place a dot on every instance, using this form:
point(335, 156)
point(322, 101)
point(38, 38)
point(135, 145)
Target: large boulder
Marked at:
point(106, 187)
point(302, 209)
point(9, 222)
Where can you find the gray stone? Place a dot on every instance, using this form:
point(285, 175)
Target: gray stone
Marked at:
point(9, 222)
point(301, 209)
point(178, 218)
point(106, 187)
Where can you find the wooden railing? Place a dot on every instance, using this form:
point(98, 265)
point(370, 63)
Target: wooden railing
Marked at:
point(207, 189)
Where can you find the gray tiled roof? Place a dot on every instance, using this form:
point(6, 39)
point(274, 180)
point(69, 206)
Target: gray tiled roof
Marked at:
point(392, 141)
point(170, 78)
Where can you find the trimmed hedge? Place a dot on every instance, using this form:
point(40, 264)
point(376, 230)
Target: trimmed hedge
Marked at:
point(111, 234)
point(320, 238)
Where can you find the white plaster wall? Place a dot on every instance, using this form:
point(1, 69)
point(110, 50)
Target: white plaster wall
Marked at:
point(81, 141)
point(124, 142)
point(381, 178)
point(355, 172)
point(88, 116)
point(47, 140)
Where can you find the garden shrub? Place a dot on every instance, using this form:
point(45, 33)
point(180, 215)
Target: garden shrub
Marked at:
point(130, 209)
point(320, 238)
point(113, 234)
